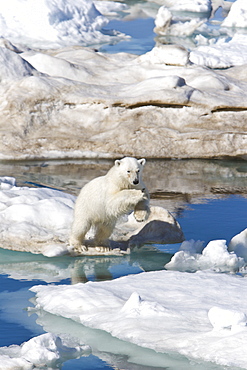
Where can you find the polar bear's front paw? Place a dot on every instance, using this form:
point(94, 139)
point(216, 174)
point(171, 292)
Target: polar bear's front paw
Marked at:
point(138, 195)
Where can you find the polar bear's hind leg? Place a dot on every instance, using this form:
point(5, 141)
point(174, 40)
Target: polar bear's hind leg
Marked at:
point(102, 233)
point(78, 233)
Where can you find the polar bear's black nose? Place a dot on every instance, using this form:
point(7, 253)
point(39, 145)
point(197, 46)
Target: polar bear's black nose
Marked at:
point(136, 181)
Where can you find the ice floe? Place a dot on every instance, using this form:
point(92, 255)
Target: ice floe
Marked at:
point(38, 220)
point(176, 21)
point(166, 311)
point(215, 256)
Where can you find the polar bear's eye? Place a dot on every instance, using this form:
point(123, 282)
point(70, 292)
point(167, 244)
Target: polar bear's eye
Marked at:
point(128, 171)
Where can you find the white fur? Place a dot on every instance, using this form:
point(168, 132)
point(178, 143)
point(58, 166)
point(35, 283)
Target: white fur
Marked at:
point(104, 199)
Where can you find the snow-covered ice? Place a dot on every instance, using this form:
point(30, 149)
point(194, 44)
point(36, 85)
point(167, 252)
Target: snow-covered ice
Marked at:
point(166, 311)
point(170, 55)
point(34, 215)
point(215, 256)
point(238, 244)
point(194, 6)
point(222, 54)
point(237, 16)
point(227, 319)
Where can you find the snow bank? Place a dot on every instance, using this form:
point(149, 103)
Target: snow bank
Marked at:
point(215, 256)
point(45, 24)
point(45, 350)
point(33, 215)
point(38, 220)
point(166, 311)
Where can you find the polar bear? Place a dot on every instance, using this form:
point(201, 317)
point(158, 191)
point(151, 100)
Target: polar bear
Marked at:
point(104, 199)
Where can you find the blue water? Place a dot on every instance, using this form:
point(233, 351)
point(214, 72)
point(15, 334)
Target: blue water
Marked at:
point(141, 32)
point(216, 219)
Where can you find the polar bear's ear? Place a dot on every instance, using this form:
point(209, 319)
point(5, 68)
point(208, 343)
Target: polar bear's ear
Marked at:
point(117, 162)
point(142, 161)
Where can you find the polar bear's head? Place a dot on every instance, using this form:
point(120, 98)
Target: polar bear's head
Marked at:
point(130, 169)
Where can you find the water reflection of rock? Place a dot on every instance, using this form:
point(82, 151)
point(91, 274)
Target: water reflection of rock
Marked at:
point(172, 183)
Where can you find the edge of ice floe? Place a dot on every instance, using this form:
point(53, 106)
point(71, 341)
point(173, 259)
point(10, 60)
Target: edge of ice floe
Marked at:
point(43, 350)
